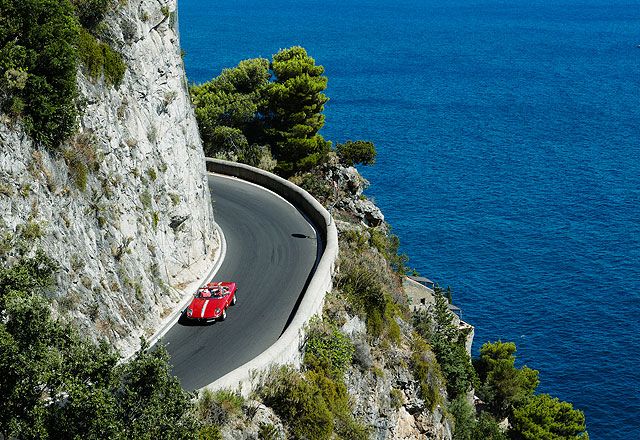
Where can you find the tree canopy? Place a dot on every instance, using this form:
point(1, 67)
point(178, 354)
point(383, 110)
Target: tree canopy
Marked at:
point(56, 384)
point(275, 104)
point(546, 418)
point(293, 115)
point(503, 386)
point(38, 60)
point(42, 42)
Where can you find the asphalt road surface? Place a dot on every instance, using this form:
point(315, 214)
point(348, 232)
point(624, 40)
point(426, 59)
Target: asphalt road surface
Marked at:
point(271, 252)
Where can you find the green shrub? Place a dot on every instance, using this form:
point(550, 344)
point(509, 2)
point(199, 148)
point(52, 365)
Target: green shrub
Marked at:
point(312, 405)
point(31, 231)
point(210, 432)
point(427, 371)
point(329, 349)
point(81, 158)
point(146, 199)
point(91, 12)
point(464, 419)
point(314, 185)
point(397, 398)
point(38, 59)
point(368, 283)
point(359, 152)
point(503, 386)
point(488, 429)
point(437, 328)
point(100, 59)
point(299, 403)
point(466, 427)
point(230, 401)
point(78, 169)
point(268, 431)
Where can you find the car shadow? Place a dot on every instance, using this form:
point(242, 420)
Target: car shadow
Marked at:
point(186, 322)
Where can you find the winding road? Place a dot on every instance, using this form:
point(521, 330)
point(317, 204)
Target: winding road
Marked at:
point(271, 253)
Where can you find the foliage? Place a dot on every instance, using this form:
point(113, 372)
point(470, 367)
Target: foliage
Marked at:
point(503, 386)
point(277, 104)
point(488, 429)
point(56, 384)
point(227, 107)
point(217, 407)
point(209, 432)
point(329, 349)
point(41, 42)
point(100, 59)
point(465, 418)
point(388, 245)
point(427, 371)
point(356, 152)
point(28, 275)
point(436, 326)
point(293, 115)
point(91, 12)
point(468, 428)
point(298, 402)
point(314, 185)
point(547, 418)
point(38, 59)
point(368, 283)
point(312, 405)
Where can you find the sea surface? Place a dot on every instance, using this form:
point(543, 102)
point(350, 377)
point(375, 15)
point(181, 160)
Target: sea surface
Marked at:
point(508, 138)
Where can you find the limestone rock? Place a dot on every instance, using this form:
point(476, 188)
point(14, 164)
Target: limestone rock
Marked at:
point(117, 239)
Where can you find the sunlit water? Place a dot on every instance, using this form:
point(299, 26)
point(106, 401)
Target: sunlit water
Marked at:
point(509, 160)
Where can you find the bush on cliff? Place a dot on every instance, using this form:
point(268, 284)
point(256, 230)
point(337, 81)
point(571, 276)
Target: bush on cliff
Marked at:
point(436, 326)
point(41, 44)
point(56, 384)
point(356, 152)
point(502, 385)
point(38, 59)
point(91, 12)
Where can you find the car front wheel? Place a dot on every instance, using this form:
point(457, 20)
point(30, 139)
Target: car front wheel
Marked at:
point(224, 315)
point(234, 300)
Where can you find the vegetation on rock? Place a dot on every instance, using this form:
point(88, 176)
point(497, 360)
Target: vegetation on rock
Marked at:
point(261, 109)
point(56, 384)
point(356, 152)
point(38, 60)
point(508, 391)
point(42, 43)
point(447, 342)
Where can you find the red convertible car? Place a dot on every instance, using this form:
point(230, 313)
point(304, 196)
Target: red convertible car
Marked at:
point(211, 301)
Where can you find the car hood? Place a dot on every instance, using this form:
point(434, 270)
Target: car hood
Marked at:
point(205, 307)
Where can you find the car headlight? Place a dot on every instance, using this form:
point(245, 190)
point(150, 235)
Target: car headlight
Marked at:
point(189, 312)
point(217, 310)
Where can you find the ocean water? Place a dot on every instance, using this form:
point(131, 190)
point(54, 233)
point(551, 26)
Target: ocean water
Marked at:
point(508, 160)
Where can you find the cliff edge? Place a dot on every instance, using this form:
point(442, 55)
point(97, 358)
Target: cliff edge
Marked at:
point(124, 207)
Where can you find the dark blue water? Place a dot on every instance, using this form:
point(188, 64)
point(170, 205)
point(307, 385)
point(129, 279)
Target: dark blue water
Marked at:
point(509, 160)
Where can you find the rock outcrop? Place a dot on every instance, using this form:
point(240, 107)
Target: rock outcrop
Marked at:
point(125, 207)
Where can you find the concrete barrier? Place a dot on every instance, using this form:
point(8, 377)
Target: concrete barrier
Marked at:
point(286, 350)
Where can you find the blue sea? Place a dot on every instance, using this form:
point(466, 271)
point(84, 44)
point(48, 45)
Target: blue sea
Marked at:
point(508, 138)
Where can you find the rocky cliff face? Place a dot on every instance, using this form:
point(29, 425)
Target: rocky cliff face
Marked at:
point(125, 208)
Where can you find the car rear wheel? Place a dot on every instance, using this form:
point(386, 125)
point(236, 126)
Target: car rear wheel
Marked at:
point(234, 300)
point(224, 315)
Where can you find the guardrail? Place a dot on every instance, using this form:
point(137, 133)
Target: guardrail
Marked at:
point(286, 350)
